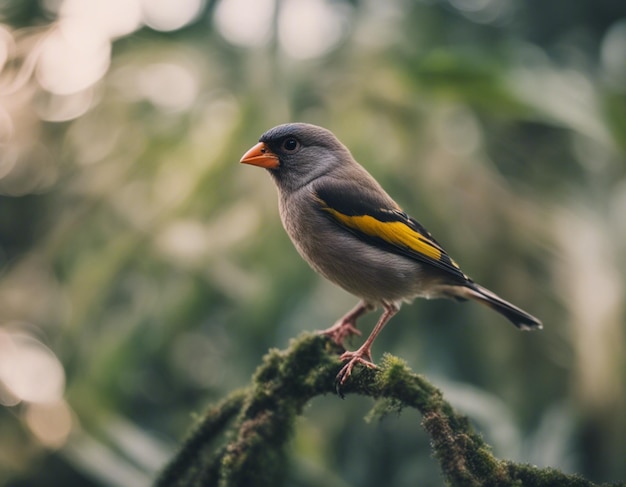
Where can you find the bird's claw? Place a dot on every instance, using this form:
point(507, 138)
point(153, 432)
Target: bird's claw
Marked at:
point(363, 357)
point(340, 331)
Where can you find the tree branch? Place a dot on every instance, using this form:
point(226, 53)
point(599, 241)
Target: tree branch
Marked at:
point(251, 450)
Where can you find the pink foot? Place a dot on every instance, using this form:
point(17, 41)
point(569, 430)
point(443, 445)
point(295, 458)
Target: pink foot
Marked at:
point(346, 326)
point(340, 331)
point(361, 356)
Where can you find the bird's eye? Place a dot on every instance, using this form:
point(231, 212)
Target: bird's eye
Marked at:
point(290, 145)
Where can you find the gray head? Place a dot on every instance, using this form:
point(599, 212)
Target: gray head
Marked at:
point(297, 153)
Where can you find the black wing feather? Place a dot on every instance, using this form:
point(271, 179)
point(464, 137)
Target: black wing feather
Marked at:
point(353, 201)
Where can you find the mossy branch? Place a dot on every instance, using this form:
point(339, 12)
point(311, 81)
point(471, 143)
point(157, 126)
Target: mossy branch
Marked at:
point(241, 441)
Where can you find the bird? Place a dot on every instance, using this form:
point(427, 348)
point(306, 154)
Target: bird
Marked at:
point(349, 230)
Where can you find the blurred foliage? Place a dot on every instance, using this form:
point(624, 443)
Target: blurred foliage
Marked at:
point(144, 272)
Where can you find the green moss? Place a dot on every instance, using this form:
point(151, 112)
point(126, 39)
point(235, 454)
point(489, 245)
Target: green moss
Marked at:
point(262, 418)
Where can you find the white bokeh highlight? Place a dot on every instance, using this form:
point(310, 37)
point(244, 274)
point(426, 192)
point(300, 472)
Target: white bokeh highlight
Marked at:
point(169, 15)
point(244, 23)
point(310, 28)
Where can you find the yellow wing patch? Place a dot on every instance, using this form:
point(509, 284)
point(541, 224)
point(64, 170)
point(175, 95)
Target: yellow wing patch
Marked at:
point(394, 232)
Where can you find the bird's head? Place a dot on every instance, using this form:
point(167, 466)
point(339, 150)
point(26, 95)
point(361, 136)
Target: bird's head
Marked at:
point(297, 153)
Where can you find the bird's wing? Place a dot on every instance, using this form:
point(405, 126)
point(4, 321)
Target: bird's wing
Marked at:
point(374, 220)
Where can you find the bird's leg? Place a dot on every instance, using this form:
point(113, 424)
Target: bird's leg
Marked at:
point(364, 354)
point(346, 326)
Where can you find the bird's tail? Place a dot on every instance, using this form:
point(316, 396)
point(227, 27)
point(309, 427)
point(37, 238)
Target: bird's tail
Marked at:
point(515, 315)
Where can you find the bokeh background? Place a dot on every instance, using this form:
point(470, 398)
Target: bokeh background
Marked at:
point(144, 272)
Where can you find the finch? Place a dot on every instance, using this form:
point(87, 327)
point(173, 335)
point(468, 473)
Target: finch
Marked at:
point(344, 224)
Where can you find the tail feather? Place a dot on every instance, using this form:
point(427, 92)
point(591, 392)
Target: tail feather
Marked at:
point(517, 316)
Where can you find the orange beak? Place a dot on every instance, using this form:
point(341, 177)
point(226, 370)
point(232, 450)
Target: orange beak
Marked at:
point(261, 156)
